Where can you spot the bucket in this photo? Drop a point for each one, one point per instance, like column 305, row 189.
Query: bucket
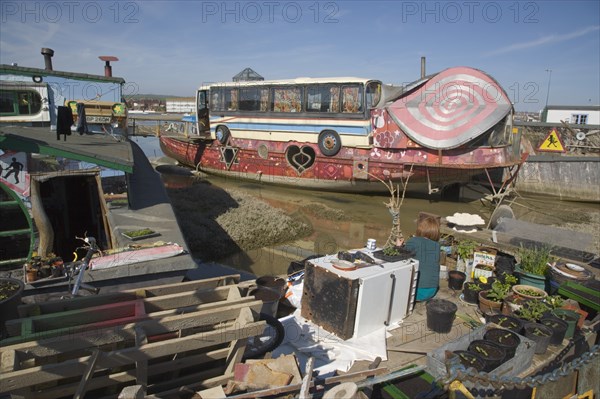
column 440, row 315
column 456, row 279
column 274, row 283
column 270, row 299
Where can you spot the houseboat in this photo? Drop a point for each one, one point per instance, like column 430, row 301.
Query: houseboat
column 70, row 172
column 349, row 134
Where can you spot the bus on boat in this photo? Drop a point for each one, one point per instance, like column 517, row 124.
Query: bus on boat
column 349, row 134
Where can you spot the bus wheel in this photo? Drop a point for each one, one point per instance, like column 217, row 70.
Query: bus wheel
column 329, row 143
column 222, row 134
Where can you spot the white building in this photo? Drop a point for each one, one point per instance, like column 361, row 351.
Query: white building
column 181, row 105
column 572, row 114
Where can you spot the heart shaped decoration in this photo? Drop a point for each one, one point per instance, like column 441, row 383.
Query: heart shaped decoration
column 300, row 158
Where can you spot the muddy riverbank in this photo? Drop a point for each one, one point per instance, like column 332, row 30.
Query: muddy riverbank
column 260, row 229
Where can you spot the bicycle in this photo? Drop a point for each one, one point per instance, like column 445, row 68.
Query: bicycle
column 78, row 268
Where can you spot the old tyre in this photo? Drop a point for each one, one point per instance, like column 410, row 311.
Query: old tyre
column 271, row 338
column 329, row 143
column 222, row 134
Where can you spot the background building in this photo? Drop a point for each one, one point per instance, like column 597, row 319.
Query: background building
column 181, row 105
column 572, row 114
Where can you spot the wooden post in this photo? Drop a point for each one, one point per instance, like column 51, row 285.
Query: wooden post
column 42, row 222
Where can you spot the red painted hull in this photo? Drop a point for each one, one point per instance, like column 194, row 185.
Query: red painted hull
column 352, row 169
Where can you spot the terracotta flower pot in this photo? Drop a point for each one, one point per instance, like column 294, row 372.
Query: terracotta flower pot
column 487, row 306
column 529, row 292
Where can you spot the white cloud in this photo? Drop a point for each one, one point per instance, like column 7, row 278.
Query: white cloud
column 549, row 39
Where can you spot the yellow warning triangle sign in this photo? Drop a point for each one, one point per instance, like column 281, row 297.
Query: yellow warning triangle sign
column 552, row 143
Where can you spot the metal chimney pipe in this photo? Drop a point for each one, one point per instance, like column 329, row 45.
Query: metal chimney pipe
column 107, row 68
column 422, row 67
column 48, row 53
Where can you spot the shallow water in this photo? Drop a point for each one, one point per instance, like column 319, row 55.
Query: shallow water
column 366, row 216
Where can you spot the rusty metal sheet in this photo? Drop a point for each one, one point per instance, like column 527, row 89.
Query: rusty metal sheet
column 451, row 109
column 330, row 301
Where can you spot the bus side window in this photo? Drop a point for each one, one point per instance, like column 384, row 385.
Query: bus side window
column 373, row 94
column 352, row 99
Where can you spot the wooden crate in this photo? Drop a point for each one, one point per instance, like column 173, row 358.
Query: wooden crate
column 163, row 338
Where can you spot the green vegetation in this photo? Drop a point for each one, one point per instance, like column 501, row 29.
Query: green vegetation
column 534, row 260
column 466, row 248
column 500, row 289
column 7, row 289
column 391, row 251
column 532, row 310
column 139, row 233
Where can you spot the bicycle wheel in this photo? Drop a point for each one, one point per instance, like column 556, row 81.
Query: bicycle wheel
column 270, row 339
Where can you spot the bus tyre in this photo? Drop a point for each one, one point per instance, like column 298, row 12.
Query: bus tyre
column 222, row 134
column 329, row 143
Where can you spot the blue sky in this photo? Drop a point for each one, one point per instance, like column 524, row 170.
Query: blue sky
column 172, row 47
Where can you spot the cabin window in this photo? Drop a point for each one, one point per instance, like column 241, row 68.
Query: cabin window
column 373, row 94
column 323, row 98
column 21, row 102
column 254, row 99
column 579, row 119
column 352, row 99
column 287, row 99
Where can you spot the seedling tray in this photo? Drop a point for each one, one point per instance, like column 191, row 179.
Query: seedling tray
column 140, row 234
column 403, row 255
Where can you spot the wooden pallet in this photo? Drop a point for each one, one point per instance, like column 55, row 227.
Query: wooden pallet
column 165, row 337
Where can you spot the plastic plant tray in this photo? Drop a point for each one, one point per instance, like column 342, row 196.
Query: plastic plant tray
column 582, row 294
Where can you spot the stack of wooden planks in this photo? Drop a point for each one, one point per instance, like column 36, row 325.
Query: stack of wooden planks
column 169, row 339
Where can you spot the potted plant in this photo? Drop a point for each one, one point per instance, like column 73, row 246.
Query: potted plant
column 469, row 359
column 533, row 265
column 559, row 329
column 506, row 339
column 492, row 354
column 10, row 298
column 480, row 270
column 471, row 291
column 529, row 292
column 570, row 317
column 540, row 334
column 532, row 310
column 510, row 322
column 491, row 300
column 456, row 279
column 465, row 250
